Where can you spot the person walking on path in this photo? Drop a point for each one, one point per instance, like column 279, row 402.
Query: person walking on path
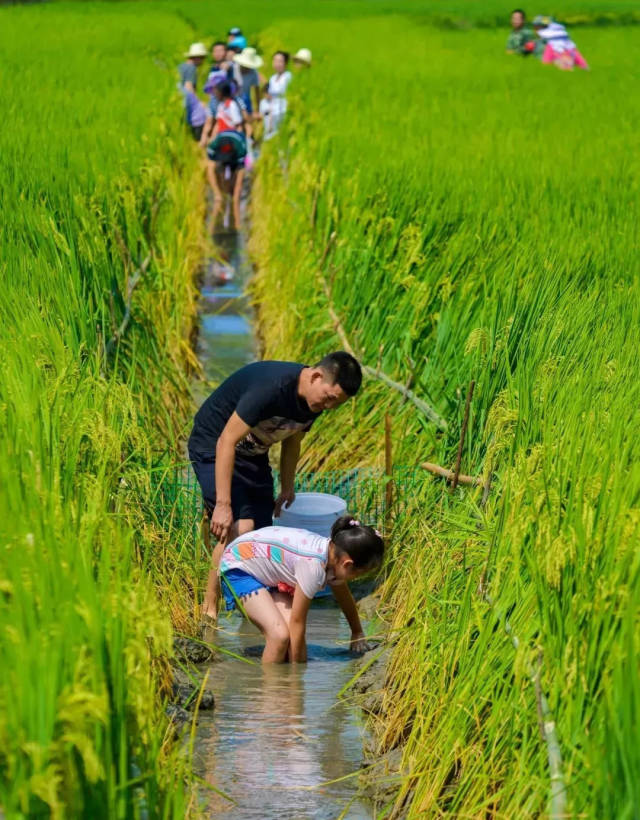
column 278, row 85
column 559, row 48
column 236, row 38
column 248, row 62
column 260, row 404
column 522, row 39
column 195, row 110
column 302, row 58
column 188, row 70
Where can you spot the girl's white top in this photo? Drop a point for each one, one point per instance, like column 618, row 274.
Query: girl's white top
column 277, row 555
column 278, row 85
column 556, row 35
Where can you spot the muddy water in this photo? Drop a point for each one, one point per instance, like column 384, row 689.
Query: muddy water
column 278, row 734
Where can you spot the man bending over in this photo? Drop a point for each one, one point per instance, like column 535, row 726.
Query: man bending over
column 257, row 406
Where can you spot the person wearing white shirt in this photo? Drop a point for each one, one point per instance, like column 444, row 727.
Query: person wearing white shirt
column 278, row 85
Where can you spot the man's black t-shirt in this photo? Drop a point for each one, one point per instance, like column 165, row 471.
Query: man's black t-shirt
column 265, row 396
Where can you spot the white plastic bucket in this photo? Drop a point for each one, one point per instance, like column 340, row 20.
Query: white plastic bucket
column 313, row 511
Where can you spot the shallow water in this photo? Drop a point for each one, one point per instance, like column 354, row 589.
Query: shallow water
column 277, row 734
column 225, row 341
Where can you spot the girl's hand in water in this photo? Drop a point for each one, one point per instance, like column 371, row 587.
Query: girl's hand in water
column 358, row 643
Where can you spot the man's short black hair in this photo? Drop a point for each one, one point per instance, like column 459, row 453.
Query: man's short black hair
column 218, row 43
column 344, row 370
column 519, row 11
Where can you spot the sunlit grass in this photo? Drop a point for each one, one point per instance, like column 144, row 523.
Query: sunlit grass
column 484, row 210
column 95, row 177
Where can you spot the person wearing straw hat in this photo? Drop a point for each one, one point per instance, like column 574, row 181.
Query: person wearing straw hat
column 302, row 58
column 188, row 70
column 248, row 63
column 195, row 111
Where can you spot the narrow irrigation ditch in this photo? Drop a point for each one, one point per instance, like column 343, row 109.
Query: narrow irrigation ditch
column 290, row 741
column 279, row 741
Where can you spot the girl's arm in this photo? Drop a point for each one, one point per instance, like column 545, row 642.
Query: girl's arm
column 298, row 626
column 344, row 598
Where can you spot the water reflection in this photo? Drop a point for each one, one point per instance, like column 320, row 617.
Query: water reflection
column 225, row 341
column 278, row 734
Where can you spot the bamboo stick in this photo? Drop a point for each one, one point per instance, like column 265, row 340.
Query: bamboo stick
column 463, row 433
column 131, row 286
column 388, row 468
column 436, row 469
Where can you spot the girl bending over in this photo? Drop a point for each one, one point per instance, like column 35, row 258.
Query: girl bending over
column 276, row 571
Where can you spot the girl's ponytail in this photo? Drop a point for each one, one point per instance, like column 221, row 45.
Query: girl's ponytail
column 363, row 544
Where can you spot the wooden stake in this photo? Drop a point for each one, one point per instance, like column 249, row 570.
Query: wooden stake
column 463, row 433
column 388, row 468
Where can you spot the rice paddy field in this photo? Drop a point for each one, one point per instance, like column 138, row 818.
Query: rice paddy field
column 451, row 214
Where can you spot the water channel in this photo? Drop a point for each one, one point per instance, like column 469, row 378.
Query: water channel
column 279, row 743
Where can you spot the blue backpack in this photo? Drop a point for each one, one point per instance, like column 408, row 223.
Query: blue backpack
column 228, row 148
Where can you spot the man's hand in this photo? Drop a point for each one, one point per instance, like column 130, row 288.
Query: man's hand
column 286, row 497
column 358, row 643
column 221, row 520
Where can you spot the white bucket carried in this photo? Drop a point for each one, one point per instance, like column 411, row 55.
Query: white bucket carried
column 313, row 511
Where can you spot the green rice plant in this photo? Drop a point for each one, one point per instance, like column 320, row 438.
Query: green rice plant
column 464, row 215
column 454, row 215
column 97, row 177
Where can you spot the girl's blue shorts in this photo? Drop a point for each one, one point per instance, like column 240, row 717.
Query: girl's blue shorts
column 236, row 583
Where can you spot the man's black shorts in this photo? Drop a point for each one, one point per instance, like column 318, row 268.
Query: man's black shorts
column 251, row 488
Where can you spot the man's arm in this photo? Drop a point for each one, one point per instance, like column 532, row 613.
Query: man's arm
column 344, row 598
column 222, row 518
column 289, row 455
column 298, row 626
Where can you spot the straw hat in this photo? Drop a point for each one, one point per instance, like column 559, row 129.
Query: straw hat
column 196, row 50
column 303, row 55
column 248, row 58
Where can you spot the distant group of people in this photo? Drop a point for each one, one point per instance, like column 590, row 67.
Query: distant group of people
column 546, row 39
column 239, row 98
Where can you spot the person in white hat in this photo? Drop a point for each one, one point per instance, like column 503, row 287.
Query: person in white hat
column 189, row 69
column 248, row 62
column 195, row 112
column 302, row 57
